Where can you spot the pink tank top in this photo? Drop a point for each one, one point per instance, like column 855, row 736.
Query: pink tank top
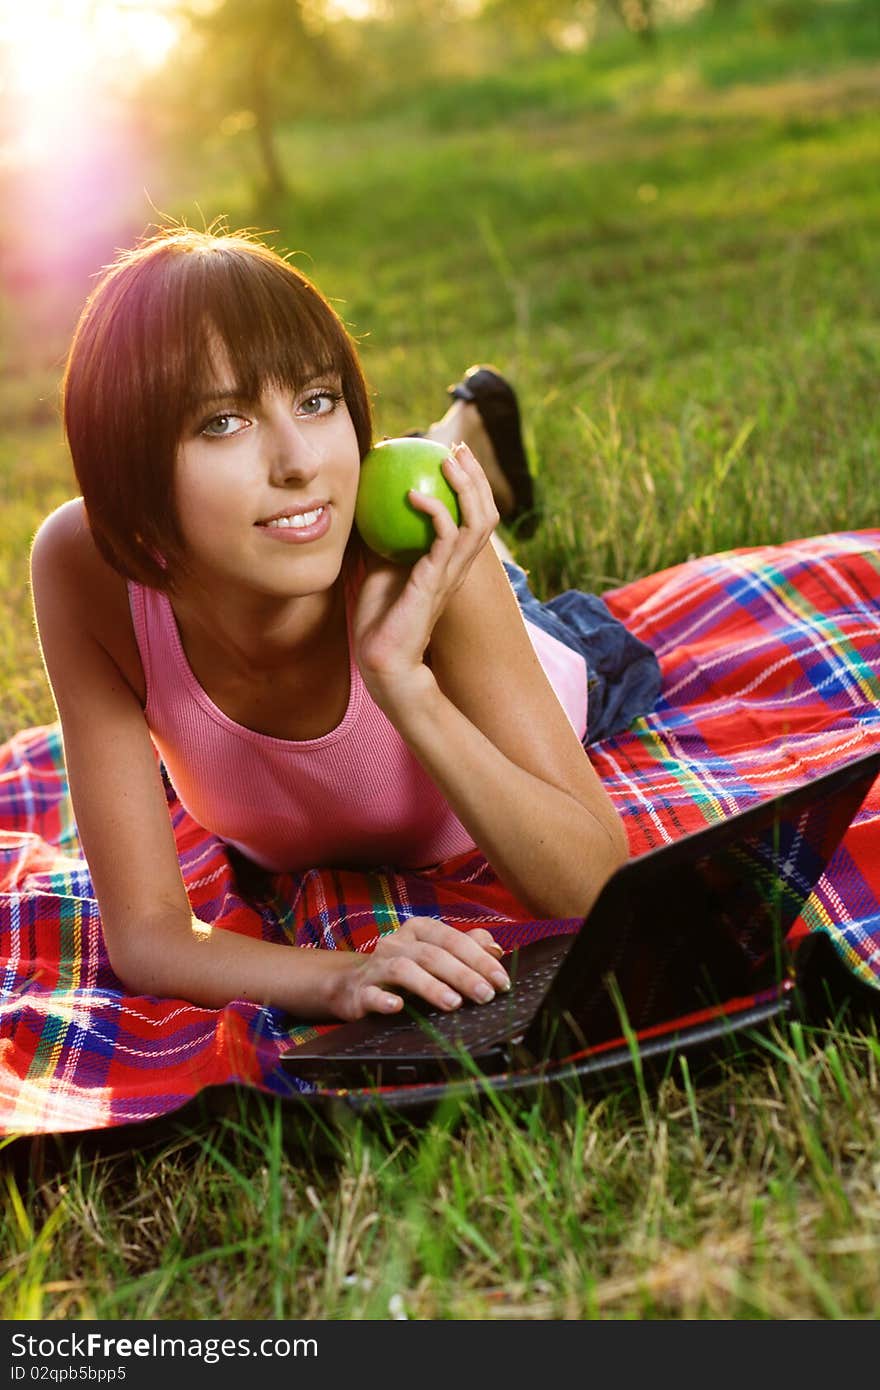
column 355, row 797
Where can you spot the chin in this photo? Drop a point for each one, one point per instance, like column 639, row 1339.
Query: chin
column 311, row 574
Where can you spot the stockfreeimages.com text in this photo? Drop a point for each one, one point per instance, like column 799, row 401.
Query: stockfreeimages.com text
column 210, row 1349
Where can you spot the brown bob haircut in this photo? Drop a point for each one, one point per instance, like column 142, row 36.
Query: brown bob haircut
column 140, row 360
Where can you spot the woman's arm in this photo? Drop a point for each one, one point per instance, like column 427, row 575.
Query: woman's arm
column 155, row 944
column 494, row 737
column 482, row 718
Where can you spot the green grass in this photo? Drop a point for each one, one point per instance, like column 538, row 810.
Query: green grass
column 675, row 259
column 750, row 1197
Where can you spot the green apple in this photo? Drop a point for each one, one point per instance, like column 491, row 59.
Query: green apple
column 388, row 523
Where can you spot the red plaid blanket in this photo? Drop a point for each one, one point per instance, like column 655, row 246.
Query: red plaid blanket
column 771, row 674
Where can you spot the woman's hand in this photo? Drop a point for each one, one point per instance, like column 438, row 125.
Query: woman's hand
column 397, row 607
column 424, row 957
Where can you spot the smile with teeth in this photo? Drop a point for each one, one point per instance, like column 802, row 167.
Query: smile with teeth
column 299, row 521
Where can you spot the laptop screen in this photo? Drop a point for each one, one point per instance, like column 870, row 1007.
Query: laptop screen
column 705, row 918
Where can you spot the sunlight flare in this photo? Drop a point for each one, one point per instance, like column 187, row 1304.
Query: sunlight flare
column 60, row 57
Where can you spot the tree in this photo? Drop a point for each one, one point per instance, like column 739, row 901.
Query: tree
column 260, row 61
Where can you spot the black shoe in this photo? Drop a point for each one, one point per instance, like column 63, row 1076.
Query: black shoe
column 496, row 402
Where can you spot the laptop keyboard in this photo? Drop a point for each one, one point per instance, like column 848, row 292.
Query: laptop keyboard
column 472, row 1026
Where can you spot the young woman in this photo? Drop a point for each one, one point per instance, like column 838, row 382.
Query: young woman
column 207, row 599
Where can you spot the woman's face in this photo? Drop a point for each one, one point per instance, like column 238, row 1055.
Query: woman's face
column 265, row 490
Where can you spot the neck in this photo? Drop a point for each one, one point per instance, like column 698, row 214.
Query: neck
column 258, row 635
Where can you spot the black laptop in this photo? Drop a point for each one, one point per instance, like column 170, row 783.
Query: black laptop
column 674, row 931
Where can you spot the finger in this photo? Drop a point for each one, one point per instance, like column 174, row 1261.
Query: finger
column 486, row 940
column 375, row 1000
column 403, row 972
column 476, row 504
column 466, row 474
column 478, row 962
column 440, row 933
column 467, row 980
column 444, row 522
column 464, row 539
column 464, row 456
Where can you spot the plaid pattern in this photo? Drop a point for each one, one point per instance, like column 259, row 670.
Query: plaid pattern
column 771, row 674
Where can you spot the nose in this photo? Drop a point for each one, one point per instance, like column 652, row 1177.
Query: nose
column 294, row 453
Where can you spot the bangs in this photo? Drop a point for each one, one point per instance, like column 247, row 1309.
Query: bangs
column 258, row 318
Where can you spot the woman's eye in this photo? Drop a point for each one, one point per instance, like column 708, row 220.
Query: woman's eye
column 320, row 403
column 220, row 426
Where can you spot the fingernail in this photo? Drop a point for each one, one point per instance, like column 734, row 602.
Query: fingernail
column 484, row 992
column 451, row 1000
column 501, row 981
column 493, row 946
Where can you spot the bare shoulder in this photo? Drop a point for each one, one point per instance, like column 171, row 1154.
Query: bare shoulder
column 72, row 582
column 63, row 538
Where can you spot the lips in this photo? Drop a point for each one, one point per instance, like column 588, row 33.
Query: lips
column 299, row 525
column 300, row 517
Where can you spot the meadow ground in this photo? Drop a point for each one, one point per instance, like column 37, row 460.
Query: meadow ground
column 674, row 257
